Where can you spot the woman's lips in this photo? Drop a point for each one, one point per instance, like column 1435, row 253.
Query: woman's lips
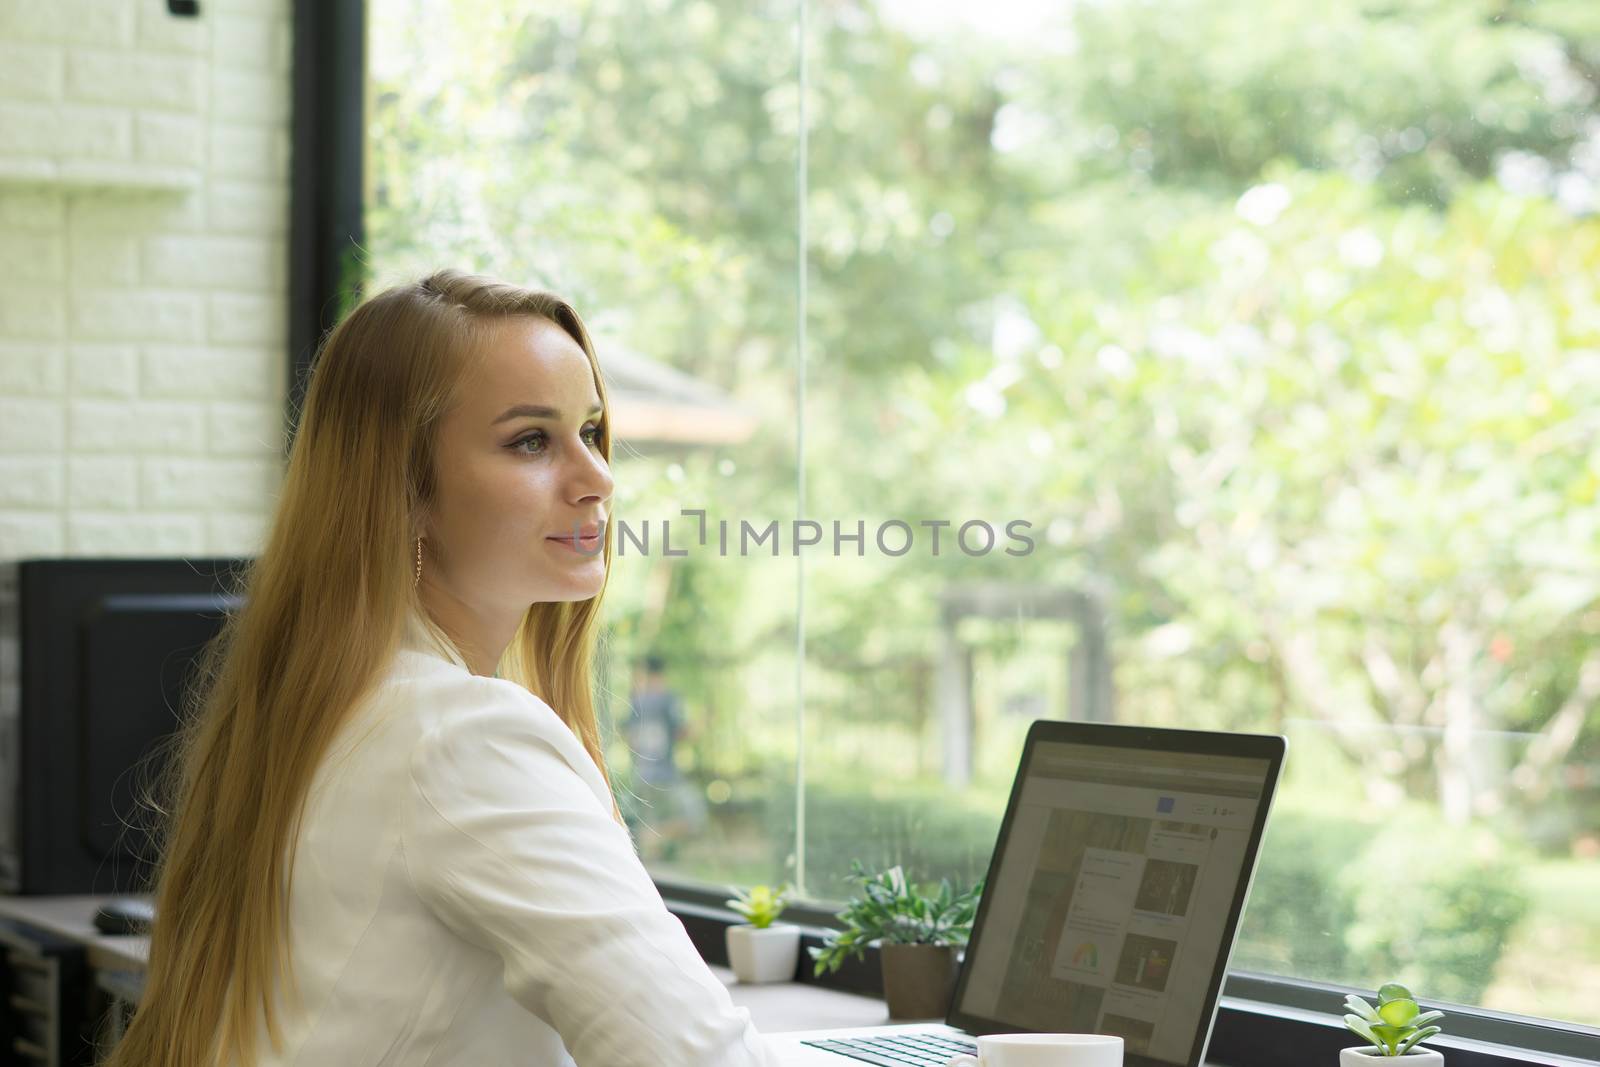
column 586, row 541
column 581, row 544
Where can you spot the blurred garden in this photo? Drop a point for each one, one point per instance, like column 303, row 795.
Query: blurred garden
column 1280, row 325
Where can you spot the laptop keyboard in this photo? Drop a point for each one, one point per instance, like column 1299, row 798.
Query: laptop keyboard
column 899, row 1050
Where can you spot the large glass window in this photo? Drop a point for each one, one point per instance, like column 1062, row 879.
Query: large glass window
column 1276, row 327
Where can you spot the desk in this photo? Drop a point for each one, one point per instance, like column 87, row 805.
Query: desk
column 73, row 917
column 774, row 1008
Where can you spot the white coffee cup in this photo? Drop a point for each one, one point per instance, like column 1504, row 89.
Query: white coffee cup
column 1044, row 1050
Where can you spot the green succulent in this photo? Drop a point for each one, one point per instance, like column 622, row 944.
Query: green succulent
column 1396, row 1025
column 890, row 909
column 760, row 905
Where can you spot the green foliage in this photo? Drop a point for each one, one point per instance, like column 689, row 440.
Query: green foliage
column 1331, row 902
column 1441, row 918
column 1396, row 1025
column 1299, row 912
column 891, row 910
column 760, row 905
column 1421, row 95
column 917, row 828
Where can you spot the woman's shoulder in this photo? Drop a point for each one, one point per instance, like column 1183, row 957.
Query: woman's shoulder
column 462, row 724
column 435, row 692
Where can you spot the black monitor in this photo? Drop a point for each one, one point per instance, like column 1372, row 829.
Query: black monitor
column 99, row 659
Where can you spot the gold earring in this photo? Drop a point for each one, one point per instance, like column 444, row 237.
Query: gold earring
column 418, row 576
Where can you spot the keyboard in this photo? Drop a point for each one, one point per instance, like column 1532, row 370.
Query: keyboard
column 899, row 1050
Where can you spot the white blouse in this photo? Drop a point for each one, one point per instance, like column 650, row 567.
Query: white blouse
column 461, row 895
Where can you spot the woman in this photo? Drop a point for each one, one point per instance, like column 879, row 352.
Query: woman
column 393, row 838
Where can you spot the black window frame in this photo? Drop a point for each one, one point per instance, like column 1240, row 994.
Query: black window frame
column 1262, row 1020
column 326, row 171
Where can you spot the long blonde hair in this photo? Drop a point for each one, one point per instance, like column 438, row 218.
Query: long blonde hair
column 325, row 609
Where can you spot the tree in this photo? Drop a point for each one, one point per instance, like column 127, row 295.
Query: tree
column 1229, row 297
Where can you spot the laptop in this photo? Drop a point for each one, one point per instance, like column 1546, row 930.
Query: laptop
column 1111, row 903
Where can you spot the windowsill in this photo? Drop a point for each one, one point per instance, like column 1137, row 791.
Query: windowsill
column 1247, row 1033
column 1320, row 1029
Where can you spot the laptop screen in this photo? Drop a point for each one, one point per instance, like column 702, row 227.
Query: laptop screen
column 1110, row 899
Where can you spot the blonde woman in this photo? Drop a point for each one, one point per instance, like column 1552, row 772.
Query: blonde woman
column 392, row 838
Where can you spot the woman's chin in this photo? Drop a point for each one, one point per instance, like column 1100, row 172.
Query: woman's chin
column 577, row 586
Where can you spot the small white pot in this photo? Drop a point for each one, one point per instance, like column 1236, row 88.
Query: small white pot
column 764, row 954
column 1367, row 1056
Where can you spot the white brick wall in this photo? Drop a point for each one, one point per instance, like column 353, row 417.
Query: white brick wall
column 143, row 236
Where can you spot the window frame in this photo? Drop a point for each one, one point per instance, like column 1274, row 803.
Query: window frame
column 327, row 201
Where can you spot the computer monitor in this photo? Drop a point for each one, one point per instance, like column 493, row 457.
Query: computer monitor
column 102, row 652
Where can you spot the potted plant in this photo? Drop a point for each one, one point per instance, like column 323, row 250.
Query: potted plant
column 1394, row 1028
column 917, row 935
column 761, row 949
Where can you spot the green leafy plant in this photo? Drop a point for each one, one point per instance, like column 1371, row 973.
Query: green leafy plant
column 760, row 905
column 1396, row 1025
column 891, row 910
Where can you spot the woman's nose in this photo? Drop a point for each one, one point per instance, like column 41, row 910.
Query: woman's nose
column 592, row 478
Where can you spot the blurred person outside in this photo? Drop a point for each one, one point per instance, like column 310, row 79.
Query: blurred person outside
column 666, row 807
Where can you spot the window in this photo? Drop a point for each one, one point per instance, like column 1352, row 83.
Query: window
column 1277, row 326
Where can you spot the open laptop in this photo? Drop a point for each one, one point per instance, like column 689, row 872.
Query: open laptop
column 1111, row 903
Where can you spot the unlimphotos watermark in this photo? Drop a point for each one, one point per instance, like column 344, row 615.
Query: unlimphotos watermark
column 892, row 537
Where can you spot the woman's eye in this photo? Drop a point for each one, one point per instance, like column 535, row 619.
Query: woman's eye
column 591, row 435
